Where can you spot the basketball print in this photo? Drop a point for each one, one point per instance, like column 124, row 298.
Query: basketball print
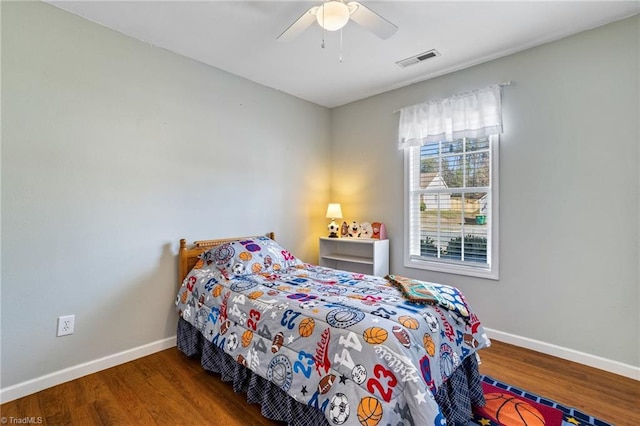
column 375, row 335
column 255, row 294
column 409, row 322
column 344, row 317
column 217, row 290
column 279, row 372
column 429, row 346
column 222, row 254
column 247, row 336
column 243, row 285
column 447, row 364
column 369, row 411
column 245, row 255
column 306, row 327
column 506, row 409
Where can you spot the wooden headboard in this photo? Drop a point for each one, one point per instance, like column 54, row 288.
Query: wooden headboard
column 188, row 256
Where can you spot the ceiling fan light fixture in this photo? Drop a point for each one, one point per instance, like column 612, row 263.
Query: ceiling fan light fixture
column 332, row 15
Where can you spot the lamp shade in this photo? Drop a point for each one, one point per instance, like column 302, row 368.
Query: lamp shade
column 334, row 211
column 332, row 15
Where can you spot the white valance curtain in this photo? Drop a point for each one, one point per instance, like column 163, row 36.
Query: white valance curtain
column 466, row 115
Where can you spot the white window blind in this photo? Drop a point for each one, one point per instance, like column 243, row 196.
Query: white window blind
column 450, row 206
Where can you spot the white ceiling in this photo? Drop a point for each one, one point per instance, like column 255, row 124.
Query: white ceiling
column 240, row 37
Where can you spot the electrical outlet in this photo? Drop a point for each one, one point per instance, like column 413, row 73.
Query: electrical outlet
column 66, row 325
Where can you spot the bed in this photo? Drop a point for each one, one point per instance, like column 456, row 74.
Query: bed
column 319, row 346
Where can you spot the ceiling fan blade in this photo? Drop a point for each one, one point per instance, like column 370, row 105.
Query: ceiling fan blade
column 370, row 20
column 301, row 24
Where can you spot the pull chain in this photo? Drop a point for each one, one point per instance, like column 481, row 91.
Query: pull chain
column 340, row 57
column 322, row 45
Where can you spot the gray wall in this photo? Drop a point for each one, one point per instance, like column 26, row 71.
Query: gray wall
column 113, row 150
column 569, row 188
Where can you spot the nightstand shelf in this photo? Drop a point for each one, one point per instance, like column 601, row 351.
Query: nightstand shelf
column 360, row 255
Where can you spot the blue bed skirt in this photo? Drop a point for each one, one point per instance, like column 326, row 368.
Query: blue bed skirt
column 456, row 397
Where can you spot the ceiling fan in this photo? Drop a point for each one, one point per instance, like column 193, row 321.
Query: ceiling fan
column 332, row 15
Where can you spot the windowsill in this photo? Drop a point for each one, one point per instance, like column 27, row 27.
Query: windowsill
column 454, row 268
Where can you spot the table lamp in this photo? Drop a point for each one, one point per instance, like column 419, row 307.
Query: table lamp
column 333, row 212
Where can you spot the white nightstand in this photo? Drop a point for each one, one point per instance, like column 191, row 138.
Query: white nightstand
column 362, row 255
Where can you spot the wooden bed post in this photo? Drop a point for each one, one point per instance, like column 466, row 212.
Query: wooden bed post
column 182, row 261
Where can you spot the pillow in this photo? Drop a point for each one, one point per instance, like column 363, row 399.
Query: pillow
column 250, row 256
column 434, row 294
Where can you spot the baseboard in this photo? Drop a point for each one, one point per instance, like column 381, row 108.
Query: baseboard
column 40, row 383
column 566, row 353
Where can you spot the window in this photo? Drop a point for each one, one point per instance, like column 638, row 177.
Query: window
column 451, row 196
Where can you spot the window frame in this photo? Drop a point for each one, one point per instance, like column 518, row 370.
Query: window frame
column 489, row 270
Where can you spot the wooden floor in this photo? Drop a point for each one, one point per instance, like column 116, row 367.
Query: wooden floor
column 169, row 389
column 612, row 398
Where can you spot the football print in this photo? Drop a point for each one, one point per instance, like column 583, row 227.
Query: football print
column 402, row 335
column 325, row 383
column 278, row 340
column 241, row 360
column 225, row 327
column 469, row 340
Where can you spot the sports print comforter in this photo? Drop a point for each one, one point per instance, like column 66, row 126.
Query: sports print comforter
column 347, row 344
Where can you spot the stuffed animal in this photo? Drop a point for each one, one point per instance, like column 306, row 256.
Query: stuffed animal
column 376, row 230
column 366, row 230
column 354, row 229
column 344, row 231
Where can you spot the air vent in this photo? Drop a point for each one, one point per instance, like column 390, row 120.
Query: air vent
column 418, row 58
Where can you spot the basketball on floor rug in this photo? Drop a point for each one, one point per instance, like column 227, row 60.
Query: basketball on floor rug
column 509, row 406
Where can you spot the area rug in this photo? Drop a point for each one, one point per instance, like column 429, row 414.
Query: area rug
column 510, row 406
